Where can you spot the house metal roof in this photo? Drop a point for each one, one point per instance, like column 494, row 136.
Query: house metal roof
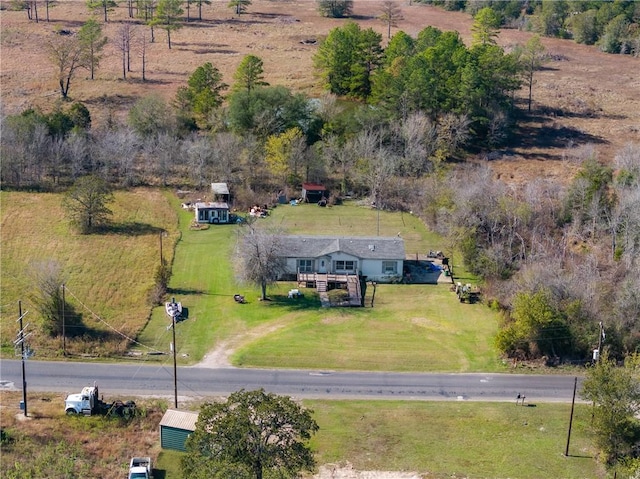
column 220, row 188
column 180, row 419
column 218, row 205
column 378, row 247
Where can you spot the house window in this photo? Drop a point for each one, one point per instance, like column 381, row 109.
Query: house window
column 345, row 266
column 305, row 265
column 389, row 267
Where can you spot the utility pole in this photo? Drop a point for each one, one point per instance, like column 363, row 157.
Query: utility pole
column 600, row 339
column 175, row 368
column 573, row 403
column 64, row 334
column 20, row 340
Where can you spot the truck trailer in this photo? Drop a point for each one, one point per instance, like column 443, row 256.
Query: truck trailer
column 88, row 403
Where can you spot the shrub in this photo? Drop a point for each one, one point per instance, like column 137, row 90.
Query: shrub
column 337, row 296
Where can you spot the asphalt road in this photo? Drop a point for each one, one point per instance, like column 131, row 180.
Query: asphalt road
column 141, row 380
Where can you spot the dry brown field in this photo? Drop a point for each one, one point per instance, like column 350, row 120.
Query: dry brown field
column 581, row 97
column 99, row 445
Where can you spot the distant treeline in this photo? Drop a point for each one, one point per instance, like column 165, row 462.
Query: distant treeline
column 614, row 26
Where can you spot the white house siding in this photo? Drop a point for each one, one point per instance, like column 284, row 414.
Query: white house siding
column 372, row 269
column 216, row 212
column 368, row 255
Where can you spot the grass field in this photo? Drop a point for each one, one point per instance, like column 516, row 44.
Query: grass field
column 470, row 440
column 410, row 327
column 107, row 276
column 445, row 440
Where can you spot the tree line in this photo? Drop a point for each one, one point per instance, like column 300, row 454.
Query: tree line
column 613, row 26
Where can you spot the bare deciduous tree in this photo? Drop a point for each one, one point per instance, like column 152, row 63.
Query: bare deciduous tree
column 390, row 15
column 125, row 36
column 228, row 156
column 142, row 51
column 338, row 155
column 419, row 135
column 200, row 158
column 124, row 148
column 78, row 153
column 259, row 257
column 161, row 154
column 453, row 132
column 375, row 163
column 66, row 55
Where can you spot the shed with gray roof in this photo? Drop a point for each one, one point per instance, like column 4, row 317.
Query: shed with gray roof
column 175, row 428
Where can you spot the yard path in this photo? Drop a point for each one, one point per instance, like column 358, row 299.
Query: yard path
column 346, row 471
column 219, row 357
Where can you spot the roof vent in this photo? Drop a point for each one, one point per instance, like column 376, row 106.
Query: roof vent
column 372, row 247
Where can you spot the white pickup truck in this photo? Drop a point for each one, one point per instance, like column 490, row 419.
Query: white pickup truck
column 140, row 468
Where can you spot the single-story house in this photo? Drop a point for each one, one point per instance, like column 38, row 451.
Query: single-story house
column 220, row 192
column 212, row 212
column 175, row 428
column 377, row 258
column 313, row 192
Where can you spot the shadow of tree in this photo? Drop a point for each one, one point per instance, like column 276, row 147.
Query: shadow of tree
column 549, row 135
column 205, row 51
column 75, row 327
column 116, row 99
column 187, row 292
column 73, row 323
column 128, row 229
column 299, row 303
column 547, row 113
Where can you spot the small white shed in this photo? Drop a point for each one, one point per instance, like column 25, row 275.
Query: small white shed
column 212, row 212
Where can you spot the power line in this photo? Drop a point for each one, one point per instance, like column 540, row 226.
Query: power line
column 120, row 333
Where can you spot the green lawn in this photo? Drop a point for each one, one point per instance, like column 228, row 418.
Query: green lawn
column 446, row 440
column 465, row 439
column 410, row 327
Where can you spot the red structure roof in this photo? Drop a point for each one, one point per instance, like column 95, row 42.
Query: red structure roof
column 313, row 187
